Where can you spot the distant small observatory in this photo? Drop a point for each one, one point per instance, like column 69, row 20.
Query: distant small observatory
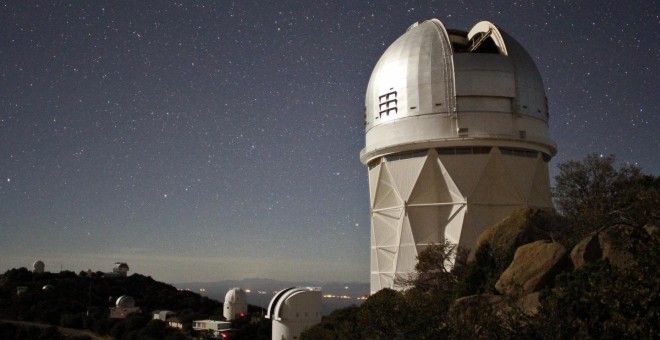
column 38, row 267
column 235, row 304
column 457, row 138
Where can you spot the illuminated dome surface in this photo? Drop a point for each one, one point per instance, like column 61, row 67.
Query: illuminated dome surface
column 125, row 301
column 436, row 86
column 236, row 295
column 38, row 266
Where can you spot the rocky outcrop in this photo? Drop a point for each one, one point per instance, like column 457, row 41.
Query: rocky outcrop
column 652, row 230
column 533, row 267
column 616, row 244
column 586, row 251
column 530, row 303
column 521, row 227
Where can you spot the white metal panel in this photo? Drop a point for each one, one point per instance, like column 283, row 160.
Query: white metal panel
column 406, row 259
column 374, row 173
column 495, row 185
column 386, row 228
column 406, row 232
column 404, row 174
column 431, row 186
column 386, row 196
column 385, row 257
column 540, row 194
column 465, row 170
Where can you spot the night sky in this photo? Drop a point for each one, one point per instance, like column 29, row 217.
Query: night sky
column 219, row 140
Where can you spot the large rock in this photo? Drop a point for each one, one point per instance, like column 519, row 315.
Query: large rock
column 479, row 315
column 586, row 251
column 534, row 265
column 652, row 230
column 617, row 244
column 530, row 304
column 521, row 227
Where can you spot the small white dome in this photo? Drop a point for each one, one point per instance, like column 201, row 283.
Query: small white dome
column 236, row 295
column 125, row 301
column 38, row 266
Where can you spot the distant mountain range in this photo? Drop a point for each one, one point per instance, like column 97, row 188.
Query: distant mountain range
column 336, row 294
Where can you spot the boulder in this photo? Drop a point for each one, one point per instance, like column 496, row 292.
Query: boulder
column 533, row 267
column 652, row 230
column 586, row 251
column 618, row 243
column 521, row 227
column 530, row 304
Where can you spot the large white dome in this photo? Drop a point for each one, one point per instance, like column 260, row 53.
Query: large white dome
column 437, row 87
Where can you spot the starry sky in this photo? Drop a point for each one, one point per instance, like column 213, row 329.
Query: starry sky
column 203, row 141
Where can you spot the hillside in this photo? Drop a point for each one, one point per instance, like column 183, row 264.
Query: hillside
column 83, row 301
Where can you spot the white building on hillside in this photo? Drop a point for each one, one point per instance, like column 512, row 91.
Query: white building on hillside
column 235, row 304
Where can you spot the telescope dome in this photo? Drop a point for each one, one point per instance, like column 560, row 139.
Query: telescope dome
column 125, row 301
column 435, row 86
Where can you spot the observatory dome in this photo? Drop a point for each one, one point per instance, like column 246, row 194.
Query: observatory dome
column 235, row 295
column 38, row 266
column 434, row 85
column 294, row 310
column 235, row 304
column 125, row 301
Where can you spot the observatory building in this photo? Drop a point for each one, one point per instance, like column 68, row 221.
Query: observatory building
column 120, row 268
column 38, row 267
column 124, row 306
column 456, row 139
column 235, row 304
column 293, row 310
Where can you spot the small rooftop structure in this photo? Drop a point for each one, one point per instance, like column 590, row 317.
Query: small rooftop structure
column 293, row 310
column 235, row 304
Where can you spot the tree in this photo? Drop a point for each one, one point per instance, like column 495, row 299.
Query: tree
column 341, row 324
column 430, row 291
column 384, row 315
column 592, row 193
column 434, row 269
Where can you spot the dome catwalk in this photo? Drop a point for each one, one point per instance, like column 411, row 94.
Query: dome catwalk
column 457, row 138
